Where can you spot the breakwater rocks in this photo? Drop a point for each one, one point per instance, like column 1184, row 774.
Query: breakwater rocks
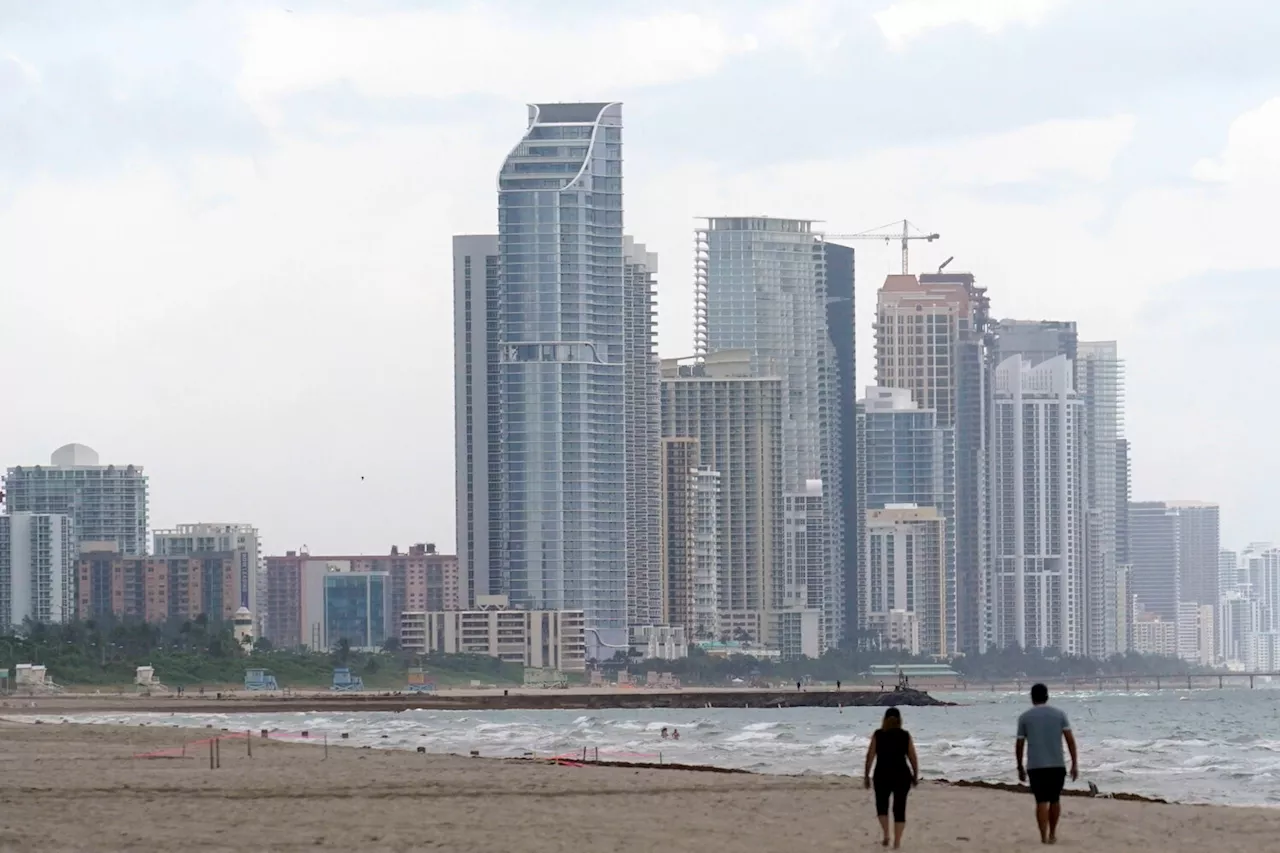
column 512, row 700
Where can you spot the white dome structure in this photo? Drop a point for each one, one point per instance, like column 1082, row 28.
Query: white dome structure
column 74, row 456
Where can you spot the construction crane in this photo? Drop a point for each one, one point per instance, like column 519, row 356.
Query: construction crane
column 879, row 234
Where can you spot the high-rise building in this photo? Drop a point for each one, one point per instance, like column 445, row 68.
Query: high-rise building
column 1155, row 554
column 1100, row 382
column 107, row 503
column 905, row 573
column 1260, row 570
column 1239, row 621
column 737, row 420
column 1228, row 573
column 841, row 325
column 1200, row 546
column 760, row 285
column 933, row 338
column 477, row 439
column 1037, row 507
column 204, row 539
column 904, row 457
column 1196, row 633
column 544, row 337
column 643, row 431
column 37, row 569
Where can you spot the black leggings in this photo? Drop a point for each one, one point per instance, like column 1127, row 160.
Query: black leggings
column 898, row 789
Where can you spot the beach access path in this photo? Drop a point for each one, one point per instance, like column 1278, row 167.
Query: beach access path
column 67, row 787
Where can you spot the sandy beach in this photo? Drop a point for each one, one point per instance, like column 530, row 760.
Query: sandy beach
column 80, row 788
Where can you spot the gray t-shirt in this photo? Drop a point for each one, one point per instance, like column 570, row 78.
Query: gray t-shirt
column 1042, row 727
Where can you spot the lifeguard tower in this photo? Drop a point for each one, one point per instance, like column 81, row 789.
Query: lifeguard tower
column 418, row 682
column 259, row 680
column 33, row 678
column 344, row 679
column 145, row 680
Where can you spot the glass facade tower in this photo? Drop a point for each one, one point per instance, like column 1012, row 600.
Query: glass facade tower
column 560, row 373
column 760, row 285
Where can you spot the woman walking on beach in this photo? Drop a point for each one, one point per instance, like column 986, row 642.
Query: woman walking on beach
column 893, row 754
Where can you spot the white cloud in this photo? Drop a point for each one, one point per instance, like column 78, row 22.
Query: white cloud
column 477, row 51
column 906, row 19
column 1252, row 152
column 28, row 71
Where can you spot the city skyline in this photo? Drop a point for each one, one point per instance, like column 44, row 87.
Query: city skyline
column 327, row 326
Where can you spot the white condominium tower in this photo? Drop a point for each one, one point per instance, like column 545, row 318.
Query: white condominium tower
column 1037, row 507
column 107, row 503
column 37, row 569
column 1100, row 381
column 556, row 385
column 760, row 286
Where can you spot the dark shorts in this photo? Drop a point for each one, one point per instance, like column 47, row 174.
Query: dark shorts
column 897, row 788
column 1046, row 783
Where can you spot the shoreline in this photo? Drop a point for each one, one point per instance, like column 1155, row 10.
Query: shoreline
column 587, row 760
column 79, row 788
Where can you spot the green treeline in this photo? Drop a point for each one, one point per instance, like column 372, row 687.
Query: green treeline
column 100, row 653
column 195, row 653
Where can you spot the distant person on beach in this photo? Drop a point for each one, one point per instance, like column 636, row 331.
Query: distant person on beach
column 664, row 733
column 675, row 734
column 893, row 753
column 1041, row 731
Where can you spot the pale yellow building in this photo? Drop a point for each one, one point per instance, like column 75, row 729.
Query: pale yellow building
column 547, row 639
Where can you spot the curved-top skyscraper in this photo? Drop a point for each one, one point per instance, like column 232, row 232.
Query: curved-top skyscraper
column 561, row 475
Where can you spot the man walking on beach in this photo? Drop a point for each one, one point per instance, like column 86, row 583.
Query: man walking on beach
column 1041, row 731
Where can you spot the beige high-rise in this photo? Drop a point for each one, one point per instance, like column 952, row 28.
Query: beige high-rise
column 932, row 339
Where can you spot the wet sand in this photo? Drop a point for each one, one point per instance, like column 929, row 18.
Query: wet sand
column 79, row 788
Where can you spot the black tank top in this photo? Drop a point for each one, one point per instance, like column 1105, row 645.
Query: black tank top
column 891, row 753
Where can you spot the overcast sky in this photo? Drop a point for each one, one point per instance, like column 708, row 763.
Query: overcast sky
column 225, row 226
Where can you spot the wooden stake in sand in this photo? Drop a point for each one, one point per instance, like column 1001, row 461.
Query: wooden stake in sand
column 211, row 754
column 248, row 739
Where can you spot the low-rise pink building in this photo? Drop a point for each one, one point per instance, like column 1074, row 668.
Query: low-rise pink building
column 421, row 580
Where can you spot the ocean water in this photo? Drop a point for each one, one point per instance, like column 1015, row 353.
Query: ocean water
column 1201, row 746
